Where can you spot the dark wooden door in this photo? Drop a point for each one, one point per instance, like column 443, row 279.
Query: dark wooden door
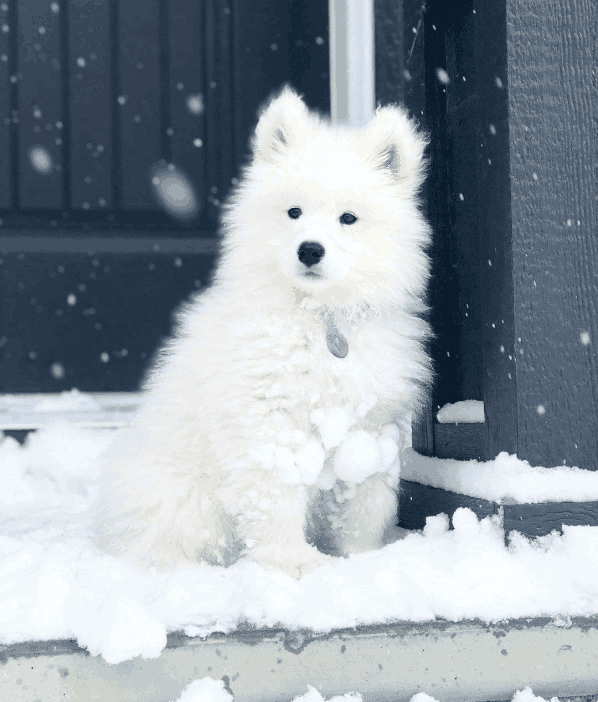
column 122, row 125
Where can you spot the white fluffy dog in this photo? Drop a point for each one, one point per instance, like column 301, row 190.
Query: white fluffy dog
column 270, row 424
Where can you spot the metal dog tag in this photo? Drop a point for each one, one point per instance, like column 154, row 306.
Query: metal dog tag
column 336, row 342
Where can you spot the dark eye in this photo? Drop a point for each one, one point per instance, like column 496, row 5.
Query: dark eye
column 347, row 218
column 294, row 212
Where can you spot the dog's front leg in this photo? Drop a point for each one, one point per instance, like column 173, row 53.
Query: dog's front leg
column 273, row 529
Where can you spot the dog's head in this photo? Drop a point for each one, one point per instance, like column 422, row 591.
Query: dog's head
column 329, row 210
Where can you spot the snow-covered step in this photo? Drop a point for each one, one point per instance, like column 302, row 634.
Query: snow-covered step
column 34, row 411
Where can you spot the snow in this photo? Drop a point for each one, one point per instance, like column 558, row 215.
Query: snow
column 506, row 479
column 210, row 690
column 358, row 457
column 67, row 401
column 56, row 584
column 174, row 192
column 195, row 104
column 468, row 411
column 40, row 159
column 359, row 453
column 312, row 695
column 525, row 695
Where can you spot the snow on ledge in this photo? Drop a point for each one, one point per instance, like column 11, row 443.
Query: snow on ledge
column 67, row 401
column 506, row 479
column 28, row 411
column 466, row 411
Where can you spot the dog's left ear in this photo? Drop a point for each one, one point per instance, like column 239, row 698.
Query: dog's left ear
column 396, row 145
column 279, row 125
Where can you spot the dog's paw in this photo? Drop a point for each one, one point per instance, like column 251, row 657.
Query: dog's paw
column 317, row 561
column 310, row 560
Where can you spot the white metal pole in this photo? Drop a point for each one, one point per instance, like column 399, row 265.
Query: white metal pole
column 352, row 93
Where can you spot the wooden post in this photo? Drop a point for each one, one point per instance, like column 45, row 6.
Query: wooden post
column 539, row 250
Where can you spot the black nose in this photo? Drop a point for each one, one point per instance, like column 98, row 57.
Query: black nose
column 310, row 253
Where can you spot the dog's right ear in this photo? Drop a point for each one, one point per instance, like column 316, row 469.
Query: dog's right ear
column 279, row 124
column 397, row 146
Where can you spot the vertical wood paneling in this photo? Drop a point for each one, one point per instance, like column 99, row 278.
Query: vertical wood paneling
column 444, row 281
column 263, row 60
column 186, row 91
column 389, row 53
column 220, row 147
column 555, row 248
column 537, row 222
column 400, row 78
column 462, row 127
column 123, row 298
column 91, row 106
column 412, row 91
column 41, row 117
column 120, row 310
column 414, row 52
column 499, row 377
column 303, row 28
column 138, row 101
column 5, row 107
column 115, row 89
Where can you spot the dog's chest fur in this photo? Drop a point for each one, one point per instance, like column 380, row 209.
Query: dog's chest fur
column 288, row 357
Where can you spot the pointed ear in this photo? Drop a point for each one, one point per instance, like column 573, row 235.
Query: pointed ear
column 279, row 125
column 397, row 146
